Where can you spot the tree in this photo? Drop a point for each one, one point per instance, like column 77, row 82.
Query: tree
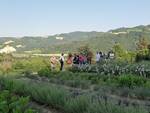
column 148, row 50
column 119, row 51
column 143, row 49
column 6, row 63
column 142, row 44
column 85, row 50
column 148, row 47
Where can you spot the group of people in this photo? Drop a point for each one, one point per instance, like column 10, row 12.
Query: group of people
column 78, row 59
column 81, row 59
column 101, row 56
column 54, row 62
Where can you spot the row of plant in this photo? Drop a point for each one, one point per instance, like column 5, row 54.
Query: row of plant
column 138, row 93
column 113, row 67
column 61, row 99
column 108, row 93
column 65, row 78
column 124, row 80
column 138, row 86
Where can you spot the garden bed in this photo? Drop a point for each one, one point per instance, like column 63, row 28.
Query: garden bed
column 60, row 98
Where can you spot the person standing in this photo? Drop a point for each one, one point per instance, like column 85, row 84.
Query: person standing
column 89, row 57
column 69, row 60
column 62, row 59
column 97, row 57
column 81, row 60
column 75, row 59
column 53, row 62
column 111, row 55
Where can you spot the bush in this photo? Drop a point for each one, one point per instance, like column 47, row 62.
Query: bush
column 13, row 104
column 53, row 96
column 18, row 65
column 109, row 108
column 27, row 72
column 131, row 81
column 77, row 105
column 44, row 72
column 143, row 55
column 141, row 93
column 34, row 64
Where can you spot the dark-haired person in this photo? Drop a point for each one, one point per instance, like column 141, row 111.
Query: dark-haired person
column 81, row 60
column 75, row 59
column 61, row 59
column 111, row 55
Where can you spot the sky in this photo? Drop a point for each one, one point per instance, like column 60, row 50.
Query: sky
column 47, row 17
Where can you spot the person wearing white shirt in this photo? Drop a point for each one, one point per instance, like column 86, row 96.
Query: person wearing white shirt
column 97, row 57
column 62, row 59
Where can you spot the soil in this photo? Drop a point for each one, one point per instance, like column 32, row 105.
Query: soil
column 43, row 108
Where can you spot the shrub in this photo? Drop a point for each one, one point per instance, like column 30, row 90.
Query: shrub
column 77, row 105
column 27, row 72
column 143, row 55
column 6, row 67
column 53, row 96
column 18, row 65
column 12, row 104
column 44, row 72
column 141, row 93
column 110, row 108
column 131, row 81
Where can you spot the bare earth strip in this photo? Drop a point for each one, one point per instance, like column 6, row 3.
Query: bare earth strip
column 43, row 108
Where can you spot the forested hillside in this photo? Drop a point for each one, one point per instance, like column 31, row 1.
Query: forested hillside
column 65, row 42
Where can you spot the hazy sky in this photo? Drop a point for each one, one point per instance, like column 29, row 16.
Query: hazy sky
column 45, row 17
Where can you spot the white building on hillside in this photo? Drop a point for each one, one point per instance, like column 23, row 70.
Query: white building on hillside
column 8, row 42
column 19, row 46
column 59, row 38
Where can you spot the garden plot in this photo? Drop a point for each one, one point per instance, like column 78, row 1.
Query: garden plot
column 103, row 93
column 60, row 98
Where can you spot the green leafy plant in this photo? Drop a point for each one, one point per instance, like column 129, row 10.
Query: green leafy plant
column 10, row 103
column 44, row 72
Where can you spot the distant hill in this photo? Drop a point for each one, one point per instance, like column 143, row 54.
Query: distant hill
column 66, row 42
